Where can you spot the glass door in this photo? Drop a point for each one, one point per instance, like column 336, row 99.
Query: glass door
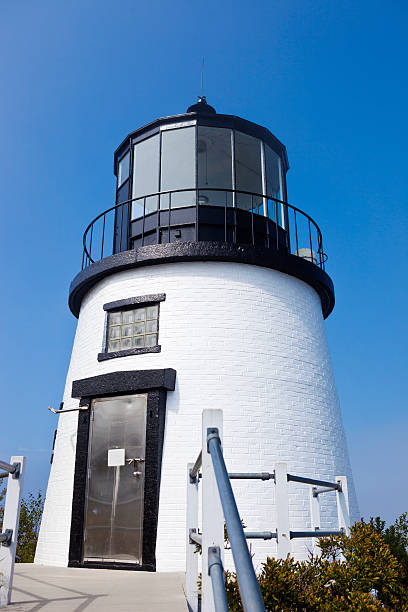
column 115, row 480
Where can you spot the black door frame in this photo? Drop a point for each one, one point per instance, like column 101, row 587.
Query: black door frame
column 155, row 383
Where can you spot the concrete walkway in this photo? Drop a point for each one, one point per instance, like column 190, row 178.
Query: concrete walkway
column 39, row 588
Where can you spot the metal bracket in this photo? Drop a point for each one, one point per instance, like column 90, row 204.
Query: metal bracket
column 68, row 410
column 316, row 491
column 194, row 537
column 190, row 531
column 212, row 433
column 6, row 537
column 214, row 557
column 16, row 473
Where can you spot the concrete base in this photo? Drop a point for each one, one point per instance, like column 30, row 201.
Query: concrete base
column 44, row 588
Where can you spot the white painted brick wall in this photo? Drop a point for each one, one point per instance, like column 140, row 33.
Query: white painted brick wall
column 242, row 338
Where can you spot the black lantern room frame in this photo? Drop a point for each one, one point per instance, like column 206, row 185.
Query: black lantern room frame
column 163, row 206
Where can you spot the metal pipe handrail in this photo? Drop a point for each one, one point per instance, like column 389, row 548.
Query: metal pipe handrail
column 248, row 584
column 10, row 468
column 325, row 485
column 216, row 572
column 197, row 189
column 251, row 476
column 13, row 469
column 260, row 535
column 317, row 533
column 336, row 486
column 196, row 467
column 316, row 491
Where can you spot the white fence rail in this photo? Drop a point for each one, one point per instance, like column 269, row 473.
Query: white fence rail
column 218, row 503
column 14, row 472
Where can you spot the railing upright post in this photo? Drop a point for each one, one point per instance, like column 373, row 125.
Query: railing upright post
column 10, row 521
column 343, row 505
column 314, row 515
column 103, row 235
column 191, row 555
column 282, row 510
column 212, row 514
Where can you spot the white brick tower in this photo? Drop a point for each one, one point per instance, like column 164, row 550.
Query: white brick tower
column 214, row 297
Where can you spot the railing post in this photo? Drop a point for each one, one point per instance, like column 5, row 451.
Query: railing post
column 191, row 555
column 10, row 521
column 314, row 515
column 282, row 510
column 216, row 572
column 343, row 505
column 212, row 515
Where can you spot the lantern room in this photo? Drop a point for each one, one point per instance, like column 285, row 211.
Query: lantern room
column 203, row 185
column 199, row 176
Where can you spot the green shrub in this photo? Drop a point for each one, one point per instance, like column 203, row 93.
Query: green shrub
column 30, row 518
column 396, row 536
column 356, row 573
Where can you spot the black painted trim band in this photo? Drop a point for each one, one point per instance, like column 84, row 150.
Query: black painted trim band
column 128, row 352
column 204, row 251
column 124, row 382
column 138, row 300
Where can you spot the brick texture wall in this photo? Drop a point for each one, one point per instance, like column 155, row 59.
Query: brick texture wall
column 247, row 340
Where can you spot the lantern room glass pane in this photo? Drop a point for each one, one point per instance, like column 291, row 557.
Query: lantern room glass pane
column 274, row 185
column 146, row 175
column 273, row 174
column 123, row 169
column 178, row 167
column 248, row 170
column 214, row 165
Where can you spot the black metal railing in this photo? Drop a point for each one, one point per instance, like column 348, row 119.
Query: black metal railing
column 163, row 217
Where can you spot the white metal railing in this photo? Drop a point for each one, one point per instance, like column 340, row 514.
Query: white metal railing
column 218, row 504
column 14, row 472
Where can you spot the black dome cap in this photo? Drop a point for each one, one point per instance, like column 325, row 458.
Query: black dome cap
column 201, row 107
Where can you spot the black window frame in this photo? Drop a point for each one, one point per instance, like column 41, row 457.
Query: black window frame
column 130, row 304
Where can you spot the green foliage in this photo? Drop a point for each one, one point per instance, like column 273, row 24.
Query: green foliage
column 396, row 536
column 357, row 573
column 30, row 517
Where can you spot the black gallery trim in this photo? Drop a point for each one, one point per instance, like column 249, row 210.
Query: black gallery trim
column 204, row 251
column 155, row 383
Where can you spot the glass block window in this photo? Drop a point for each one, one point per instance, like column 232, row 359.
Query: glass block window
column 133, row 329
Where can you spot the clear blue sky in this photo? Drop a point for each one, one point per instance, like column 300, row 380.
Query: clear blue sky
column 328, row 78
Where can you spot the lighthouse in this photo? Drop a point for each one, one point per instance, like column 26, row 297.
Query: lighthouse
column 202, row 287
